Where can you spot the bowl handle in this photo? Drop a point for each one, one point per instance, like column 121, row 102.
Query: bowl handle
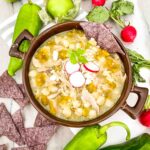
column 142, row 94
column 14, row 50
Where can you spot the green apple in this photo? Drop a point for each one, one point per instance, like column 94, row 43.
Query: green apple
column 59, row 8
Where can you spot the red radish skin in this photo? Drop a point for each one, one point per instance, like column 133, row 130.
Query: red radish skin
column 98, row 2
column 128, row 34
column 71, row 68
column 77, row 79
column 91, row 67
column 145, row 118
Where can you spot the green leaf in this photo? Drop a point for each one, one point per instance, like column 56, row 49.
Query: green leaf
column 73, row 58
column 134, row 56
column 120, row 8
column 70, row 52
column 115, row 16
column 98, row 14
column 80, row 52
column 138, row 59
column 76, row 56
column 123, row 7
column 83, row 60
column 136, row 74
column 138, row 62
column 147, row 104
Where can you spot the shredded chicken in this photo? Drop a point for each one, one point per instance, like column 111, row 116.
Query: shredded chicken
column 86, row 95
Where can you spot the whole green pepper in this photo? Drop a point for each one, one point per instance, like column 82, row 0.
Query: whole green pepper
column 141, row 142
column 93, row 137
column 28, row 19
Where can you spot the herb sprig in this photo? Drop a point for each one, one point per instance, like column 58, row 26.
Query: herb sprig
column 77, row 56
column 138, row 62
column 121, row 8
column 118, row 9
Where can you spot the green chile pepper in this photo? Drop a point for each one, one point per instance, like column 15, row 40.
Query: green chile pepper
column 93, row 137
column 28, row 19
column 141, row 142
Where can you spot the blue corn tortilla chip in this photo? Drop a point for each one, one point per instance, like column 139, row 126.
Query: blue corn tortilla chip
column 9, row 87
column 102, row 35
column 90, row 29
column 33, row 136
column 41, row 121
column 18, row 119
column 19, row 123
column 38, row 147
column 22, row 101
column 39, row 135
column 7, row 126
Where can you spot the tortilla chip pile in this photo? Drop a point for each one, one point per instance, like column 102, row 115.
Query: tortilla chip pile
column 12, row 126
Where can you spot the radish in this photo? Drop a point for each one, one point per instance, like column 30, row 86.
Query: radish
column 98, row 2
column 145, row 118
column 70, row 68
column 128, row 34
column 91, row 67
column 145, row 115
column 77, row 79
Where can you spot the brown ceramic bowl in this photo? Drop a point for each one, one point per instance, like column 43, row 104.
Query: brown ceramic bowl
column 121, row 104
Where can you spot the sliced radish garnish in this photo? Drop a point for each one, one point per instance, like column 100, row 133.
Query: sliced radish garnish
column 71, row 68
column 77, row 79
column 92, row 67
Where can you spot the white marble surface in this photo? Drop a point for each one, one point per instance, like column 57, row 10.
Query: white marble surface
column 140, row 20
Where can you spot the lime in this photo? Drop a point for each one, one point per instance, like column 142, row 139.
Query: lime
column 59, row 8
